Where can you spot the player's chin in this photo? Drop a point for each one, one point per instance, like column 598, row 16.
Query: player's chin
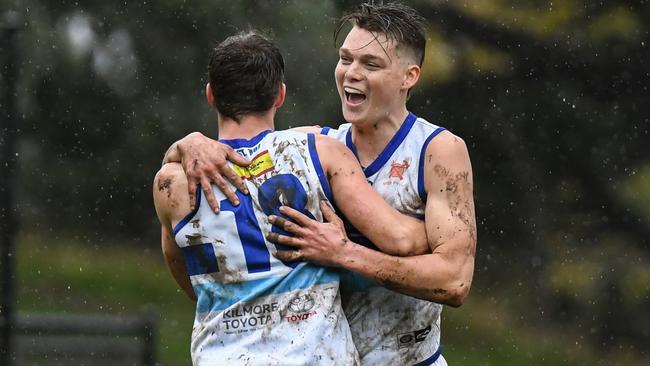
column 353, row 116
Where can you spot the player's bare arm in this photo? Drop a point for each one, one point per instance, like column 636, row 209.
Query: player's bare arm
column 172, row 204
column 391, row 231
column 444, row 275
column 205, row 162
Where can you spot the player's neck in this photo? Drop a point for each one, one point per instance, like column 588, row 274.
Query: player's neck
column 247, row 127
column 371, row 138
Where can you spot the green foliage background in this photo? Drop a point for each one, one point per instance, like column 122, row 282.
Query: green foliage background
column 551, row 98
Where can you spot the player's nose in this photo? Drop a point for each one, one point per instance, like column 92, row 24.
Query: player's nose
column 354, row 72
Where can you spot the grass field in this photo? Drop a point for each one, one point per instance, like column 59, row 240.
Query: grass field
column 73, row 276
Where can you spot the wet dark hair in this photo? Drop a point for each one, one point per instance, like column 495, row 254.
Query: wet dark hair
column 400, row 23
column 245, row 74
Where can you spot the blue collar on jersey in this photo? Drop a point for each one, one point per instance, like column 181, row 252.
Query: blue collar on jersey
column 237, row 143
column 388, row 151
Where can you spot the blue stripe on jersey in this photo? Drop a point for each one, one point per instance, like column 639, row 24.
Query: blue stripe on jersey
column 388, row 151
column 236, row 143
column 325, row 130
column 322, row 177
column 248, row 228
column 200, row 259
column 215, row 297
column 421, row 191
column 190, row 215
column 350, row 144
column 431, row 360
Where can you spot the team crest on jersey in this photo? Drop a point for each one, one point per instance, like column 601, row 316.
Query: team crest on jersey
column 260, row 164
column 397, row 169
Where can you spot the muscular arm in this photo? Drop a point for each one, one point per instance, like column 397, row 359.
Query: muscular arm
column 171, row 202
column 391, row 231
column 176, row 262
column 444, row 275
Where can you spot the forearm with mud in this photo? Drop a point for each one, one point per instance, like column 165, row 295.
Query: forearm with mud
column 430, row 277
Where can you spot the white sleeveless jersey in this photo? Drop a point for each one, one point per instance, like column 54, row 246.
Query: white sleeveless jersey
column 253, row 309
column 390, row 328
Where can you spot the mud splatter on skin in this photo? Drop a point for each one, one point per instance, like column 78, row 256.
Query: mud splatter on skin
column 164, row 184
column 459, row 196
column 394, row 284
column 440, row 170
column 330, row 175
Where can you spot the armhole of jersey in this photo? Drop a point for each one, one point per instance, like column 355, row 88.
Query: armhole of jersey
column 421, row 191
column 325, row 131
column 313, row 153
column 190, row 215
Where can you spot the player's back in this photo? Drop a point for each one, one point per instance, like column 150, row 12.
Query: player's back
column 253, row 309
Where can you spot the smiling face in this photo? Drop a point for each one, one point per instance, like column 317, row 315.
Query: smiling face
column 373, row 77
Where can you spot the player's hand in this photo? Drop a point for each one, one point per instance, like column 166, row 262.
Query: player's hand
column 205, row 161
column 314, row 241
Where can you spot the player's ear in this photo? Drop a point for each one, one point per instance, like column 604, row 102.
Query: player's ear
column 210, row 96
column 282, row 92
column 411, row 76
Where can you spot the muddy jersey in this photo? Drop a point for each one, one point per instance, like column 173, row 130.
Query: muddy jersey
column 253, row 309
column 390, row 328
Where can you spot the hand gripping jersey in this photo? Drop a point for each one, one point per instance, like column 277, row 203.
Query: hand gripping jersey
column 390, row 328
column 253, row 309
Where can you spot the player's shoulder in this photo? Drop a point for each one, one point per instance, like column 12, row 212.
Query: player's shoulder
column 327, row 143
column 331, row 152
column 170, row 171
column 307, row 129
column 446, row 145
column 447, row 150
column 170, row 183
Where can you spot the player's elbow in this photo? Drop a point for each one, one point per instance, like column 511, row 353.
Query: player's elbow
column 457, row 296
column 405, row 245
column 453, row 291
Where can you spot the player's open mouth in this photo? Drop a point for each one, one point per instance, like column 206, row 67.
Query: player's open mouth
column 354, row 96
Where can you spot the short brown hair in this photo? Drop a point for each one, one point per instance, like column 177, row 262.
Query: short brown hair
column 245, row 74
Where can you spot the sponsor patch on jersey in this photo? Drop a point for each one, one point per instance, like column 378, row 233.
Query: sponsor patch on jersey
column 260, row 164
column 246, row 317
column 301, row 307
column 408, row 339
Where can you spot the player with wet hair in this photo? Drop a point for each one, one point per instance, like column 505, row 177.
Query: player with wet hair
column 423, row 170
column 251, row 307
